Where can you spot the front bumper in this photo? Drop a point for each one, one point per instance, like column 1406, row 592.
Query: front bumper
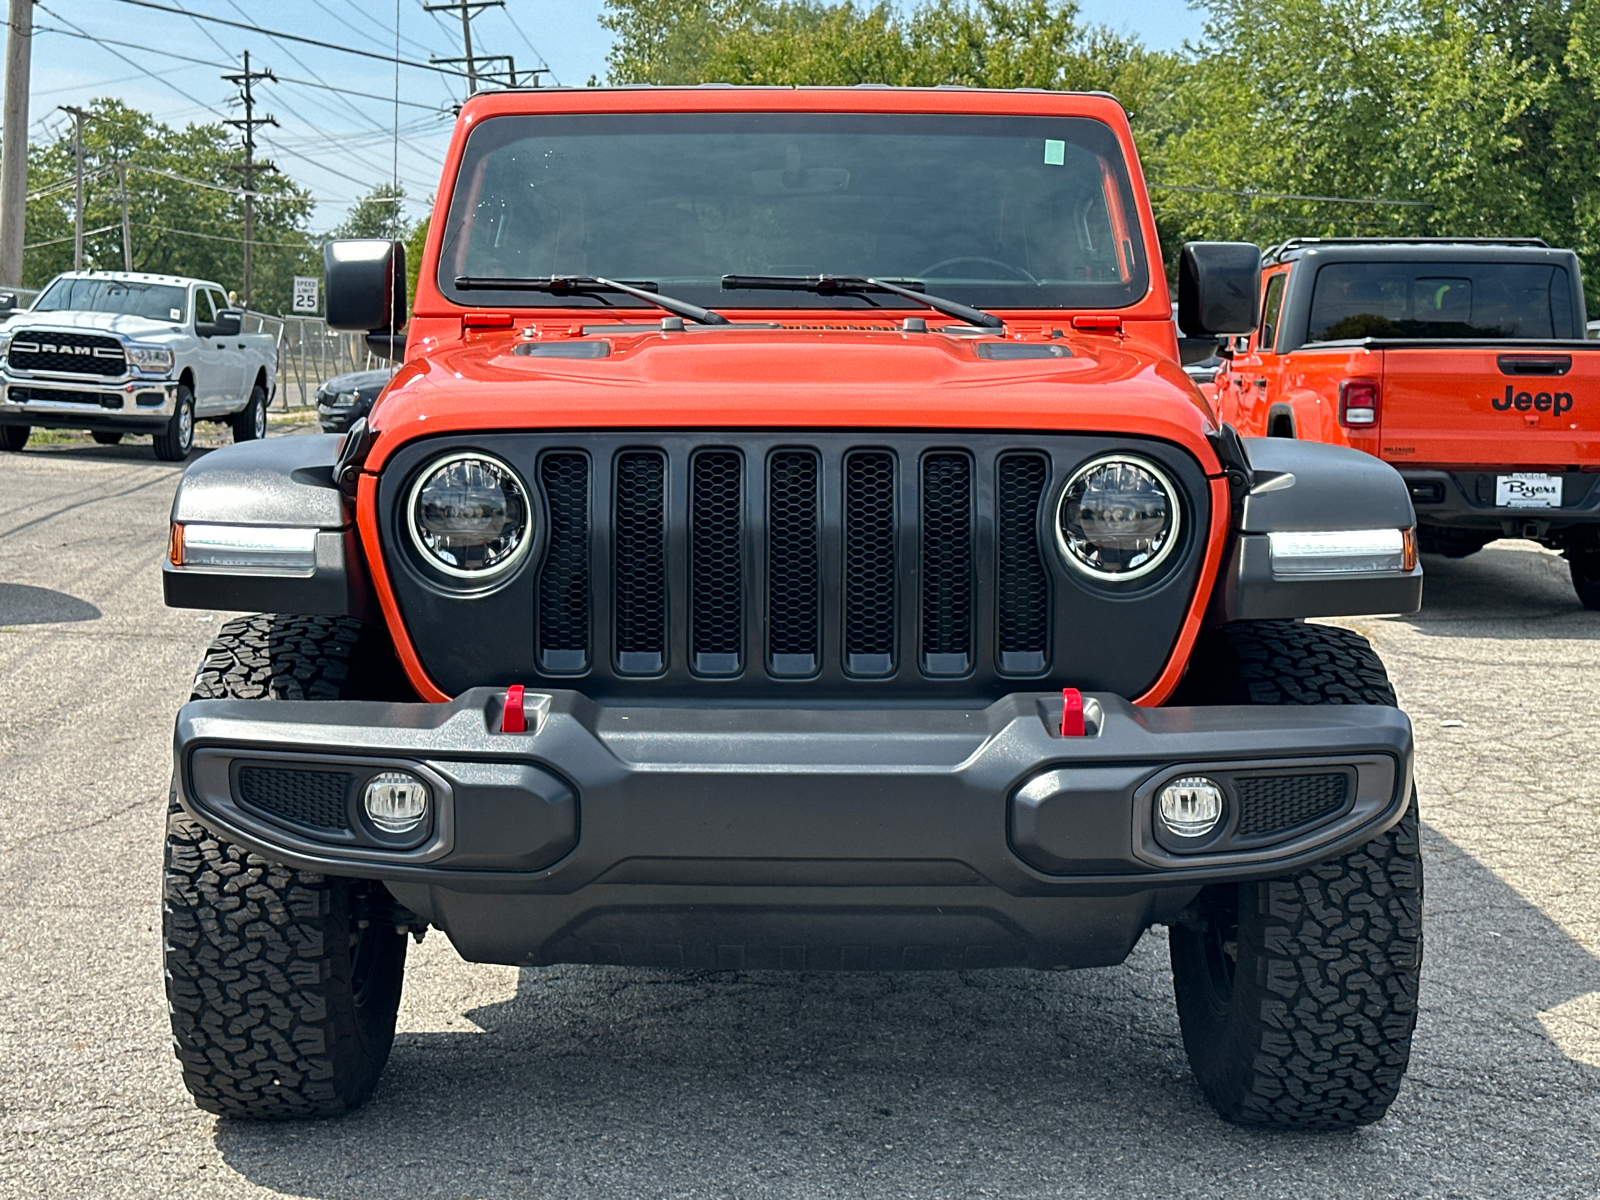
column 828, row 837
column 126, row 405
column 1464, row 499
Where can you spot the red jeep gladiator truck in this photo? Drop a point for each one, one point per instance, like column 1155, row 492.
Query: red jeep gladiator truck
column 1460, row 361
column 791, row 542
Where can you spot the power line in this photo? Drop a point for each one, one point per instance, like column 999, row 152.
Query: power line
column 291, row 37
column 308, row 245
column 205, row 62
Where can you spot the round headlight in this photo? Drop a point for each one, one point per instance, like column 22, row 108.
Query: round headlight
column 470, row 517
column 1117, row 519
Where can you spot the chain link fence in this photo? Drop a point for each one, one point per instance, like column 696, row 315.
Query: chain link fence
column 309, row 353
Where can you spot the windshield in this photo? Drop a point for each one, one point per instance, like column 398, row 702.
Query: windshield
column 155, row 301
column 1441, row 300
column 995, row 212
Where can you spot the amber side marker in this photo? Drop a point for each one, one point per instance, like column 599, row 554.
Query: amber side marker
column 175, row 545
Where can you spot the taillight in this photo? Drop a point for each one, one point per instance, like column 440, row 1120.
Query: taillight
column 1358, row 402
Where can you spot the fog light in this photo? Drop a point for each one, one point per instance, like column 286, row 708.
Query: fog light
column 396, row 802
column 1190, row 807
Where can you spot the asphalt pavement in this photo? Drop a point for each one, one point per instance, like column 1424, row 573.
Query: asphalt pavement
column 608, row 1082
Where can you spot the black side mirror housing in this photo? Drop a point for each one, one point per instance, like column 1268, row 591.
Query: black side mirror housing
column 1219, row 288
column 229, row 323
column 1194, row 350
column 365, row 285
column 8, row 303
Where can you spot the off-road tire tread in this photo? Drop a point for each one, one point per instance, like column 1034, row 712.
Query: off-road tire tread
column 1329, row 970
column 263, row 1021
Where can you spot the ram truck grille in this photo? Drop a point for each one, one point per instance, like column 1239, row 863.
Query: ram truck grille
column 839, row 563
column 67, row 353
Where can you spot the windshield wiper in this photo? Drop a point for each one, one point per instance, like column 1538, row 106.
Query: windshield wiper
column 824, row 284
column 557, row 284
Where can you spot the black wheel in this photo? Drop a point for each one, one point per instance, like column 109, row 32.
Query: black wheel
column 1297, row 997
column 1585, row 568
column 282, row 984
column 174, row 443
column 14, row 437
column 251, row 423
column 106, row 439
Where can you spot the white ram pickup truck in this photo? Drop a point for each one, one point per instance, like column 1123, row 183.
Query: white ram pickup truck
column 118, row 352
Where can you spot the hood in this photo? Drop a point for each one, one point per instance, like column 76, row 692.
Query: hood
column 130, row 327
column 720, row 378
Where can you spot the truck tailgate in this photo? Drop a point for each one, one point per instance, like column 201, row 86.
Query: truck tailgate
column 1501, row 404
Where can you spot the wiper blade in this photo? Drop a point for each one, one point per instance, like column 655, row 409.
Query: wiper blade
column 642, row 290
column 824, row 284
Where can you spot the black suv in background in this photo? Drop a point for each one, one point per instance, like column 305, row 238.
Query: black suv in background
column 344, row 398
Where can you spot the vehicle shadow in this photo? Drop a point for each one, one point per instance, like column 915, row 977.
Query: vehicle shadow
column 617, row 1082
column 22, row 604
column 1507, row 591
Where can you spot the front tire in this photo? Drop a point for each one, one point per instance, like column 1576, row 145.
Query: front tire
column 14, row 437
column 1297, row 996
column 250, row 424
column 174, row 443
column 282, row 984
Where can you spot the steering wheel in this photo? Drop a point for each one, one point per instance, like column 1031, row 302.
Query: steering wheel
column 1013, row 270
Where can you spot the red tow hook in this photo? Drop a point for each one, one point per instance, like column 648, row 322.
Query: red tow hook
column 514, row 720
column 1071, row 712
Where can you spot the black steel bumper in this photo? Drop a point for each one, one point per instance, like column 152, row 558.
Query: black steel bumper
column 1465, row 500
column 765, row 837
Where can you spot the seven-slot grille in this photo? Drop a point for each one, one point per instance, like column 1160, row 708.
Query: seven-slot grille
column 778, row 506
column 68, row 353
column 760, row 565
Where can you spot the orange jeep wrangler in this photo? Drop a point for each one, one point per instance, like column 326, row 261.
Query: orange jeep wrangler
column 791, row 542
column 1461, row 361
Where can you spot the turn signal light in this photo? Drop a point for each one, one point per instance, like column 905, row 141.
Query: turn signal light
column 1358, row 403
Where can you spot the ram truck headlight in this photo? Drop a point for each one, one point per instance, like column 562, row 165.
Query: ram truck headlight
column 244, row 549
column 1343, row 551
column 1117, row 519
column 469, row 516
column 150, row 359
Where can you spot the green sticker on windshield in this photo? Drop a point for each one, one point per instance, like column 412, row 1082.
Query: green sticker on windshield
column 1055, row 153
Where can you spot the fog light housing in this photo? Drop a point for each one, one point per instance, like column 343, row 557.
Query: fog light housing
column 1190, row 807
column 396, row 801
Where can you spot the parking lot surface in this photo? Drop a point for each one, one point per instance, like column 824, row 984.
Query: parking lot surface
column 579, row 1082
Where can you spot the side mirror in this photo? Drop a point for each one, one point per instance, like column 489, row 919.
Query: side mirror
column 229, row 323
column 365, row 284
column 8, row 303
column 1194, row 350
column 1219, row 288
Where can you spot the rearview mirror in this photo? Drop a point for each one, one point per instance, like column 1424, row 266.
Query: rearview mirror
column 229, row 323
column 8, row 303
column 366, row 285
column 1219, row 286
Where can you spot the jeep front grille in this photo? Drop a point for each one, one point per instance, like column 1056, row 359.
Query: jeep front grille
column 760, row 564
column 67, row 353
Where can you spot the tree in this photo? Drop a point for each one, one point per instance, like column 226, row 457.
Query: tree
column 185, row 214
column 378, row 214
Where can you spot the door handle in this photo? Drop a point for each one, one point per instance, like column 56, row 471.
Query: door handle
column 1261, row 383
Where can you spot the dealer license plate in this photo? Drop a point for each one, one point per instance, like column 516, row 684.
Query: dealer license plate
column 1527, row 489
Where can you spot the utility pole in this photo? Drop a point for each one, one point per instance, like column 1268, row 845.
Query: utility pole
column 127, row 239
column 78, row 116
column 250, row 166
column 466, row 8
column 14, row 142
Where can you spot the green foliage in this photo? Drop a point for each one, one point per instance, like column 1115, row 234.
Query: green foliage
column 178, row 227
column 415, row 241
column 378, row 214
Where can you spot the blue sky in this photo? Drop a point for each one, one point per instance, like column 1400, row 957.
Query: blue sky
column 338, row 143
